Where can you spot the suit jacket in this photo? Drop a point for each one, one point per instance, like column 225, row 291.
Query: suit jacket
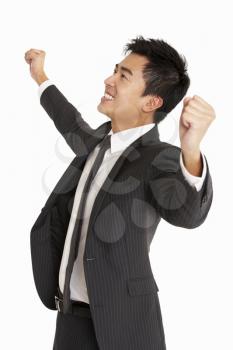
column 145, row 184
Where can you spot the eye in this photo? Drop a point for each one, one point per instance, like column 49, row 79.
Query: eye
column 122, row 75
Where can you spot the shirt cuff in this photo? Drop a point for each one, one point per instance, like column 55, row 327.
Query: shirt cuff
column 43, row 86
column 196, row 181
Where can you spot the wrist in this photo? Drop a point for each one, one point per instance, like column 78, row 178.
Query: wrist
column 194, row 154
column 40, row 78
column 193, row 162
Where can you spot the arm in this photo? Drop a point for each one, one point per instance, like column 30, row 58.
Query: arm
column 43, row 86
column 196, row 181
column 173, row 197
column 65, row 116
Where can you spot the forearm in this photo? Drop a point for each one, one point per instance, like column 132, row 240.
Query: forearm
column 193, row 162
column 175, row 200
column 40, row 78
column 194, row 181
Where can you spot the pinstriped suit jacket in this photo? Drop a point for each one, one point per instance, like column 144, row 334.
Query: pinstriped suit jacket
column 145, row 184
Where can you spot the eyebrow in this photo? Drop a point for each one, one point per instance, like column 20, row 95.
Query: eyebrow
column 125, row 69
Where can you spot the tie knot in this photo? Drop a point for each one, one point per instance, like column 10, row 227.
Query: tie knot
column 105, row 142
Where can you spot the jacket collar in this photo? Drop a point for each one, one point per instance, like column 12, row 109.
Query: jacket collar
column 120, row 140
column 131, row 152
column 149, row 137
column 69, row 180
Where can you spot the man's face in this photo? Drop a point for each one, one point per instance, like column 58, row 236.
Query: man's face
column 126, row 85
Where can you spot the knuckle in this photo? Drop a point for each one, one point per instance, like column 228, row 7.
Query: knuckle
column 212, row 110
column 192, row 102
column 210, row 118
column 188, row 109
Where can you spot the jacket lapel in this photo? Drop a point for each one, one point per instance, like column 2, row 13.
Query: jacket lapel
column 131, row 152
column 70, row 178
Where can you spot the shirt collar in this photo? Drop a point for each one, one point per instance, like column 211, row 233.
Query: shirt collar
column 120, row 140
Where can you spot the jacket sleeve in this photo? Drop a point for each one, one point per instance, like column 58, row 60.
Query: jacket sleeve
column 67, row 119
column 46, row 238
column 172, row 196
column 196, row 181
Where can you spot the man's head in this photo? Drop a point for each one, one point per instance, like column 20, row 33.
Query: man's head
column 146, row 85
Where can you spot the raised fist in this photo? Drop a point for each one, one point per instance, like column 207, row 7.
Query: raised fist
column 35, row 58
column 196, row 117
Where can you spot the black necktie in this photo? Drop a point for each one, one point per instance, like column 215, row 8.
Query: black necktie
column 104, row 145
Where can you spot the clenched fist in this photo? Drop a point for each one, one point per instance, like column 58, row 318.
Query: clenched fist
column 35, row 58
column 195, row 119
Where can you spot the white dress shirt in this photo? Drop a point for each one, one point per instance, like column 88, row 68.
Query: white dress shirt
column 119, row 141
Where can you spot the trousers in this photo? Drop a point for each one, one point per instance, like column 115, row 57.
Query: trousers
column 74, row 332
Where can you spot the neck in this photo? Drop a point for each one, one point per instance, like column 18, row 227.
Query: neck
column 116, row 127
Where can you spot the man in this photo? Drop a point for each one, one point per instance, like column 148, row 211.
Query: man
column 90, row 243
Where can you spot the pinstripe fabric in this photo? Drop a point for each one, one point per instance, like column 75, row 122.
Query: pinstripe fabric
column 79, row 220
column 145, row 185
column 74, row 332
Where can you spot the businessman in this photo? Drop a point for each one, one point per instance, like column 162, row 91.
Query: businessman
column 90, row 244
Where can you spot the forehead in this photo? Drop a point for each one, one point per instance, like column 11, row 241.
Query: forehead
column 134, row 62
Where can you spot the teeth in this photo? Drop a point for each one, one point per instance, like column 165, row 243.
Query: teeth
column 108, row 97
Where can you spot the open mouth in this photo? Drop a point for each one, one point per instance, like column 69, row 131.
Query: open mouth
column 107, row 98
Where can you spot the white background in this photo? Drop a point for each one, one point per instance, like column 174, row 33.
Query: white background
column 193, row 268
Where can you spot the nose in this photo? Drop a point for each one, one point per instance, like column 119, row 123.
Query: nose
column 109, row 80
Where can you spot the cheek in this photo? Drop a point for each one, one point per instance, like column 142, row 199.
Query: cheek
column 126, row 98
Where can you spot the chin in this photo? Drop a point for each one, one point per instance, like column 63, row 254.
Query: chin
column 103, row 110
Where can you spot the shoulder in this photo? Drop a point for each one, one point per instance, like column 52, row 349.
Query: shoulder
column 165, row 157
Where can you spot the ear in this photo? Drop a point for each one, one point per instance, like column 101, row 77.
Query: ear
column 152, row 103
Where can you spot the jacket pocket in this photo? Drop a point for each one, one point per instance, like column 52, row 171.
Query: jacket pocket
column 141, row 286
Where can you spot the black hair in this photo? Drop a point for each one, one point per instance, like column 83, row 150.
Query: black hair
column 165, row 75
